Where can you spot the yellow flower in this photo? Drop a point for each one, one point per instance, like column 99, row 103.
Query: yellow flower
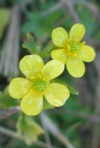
column 72, row 52
column 37, row 84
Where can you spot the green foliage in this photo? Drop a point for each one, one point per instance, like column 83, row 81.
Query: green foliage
column 6, row 101
column 35, row 24
column 30, row 45
column 40, row 24
column 33, row 48
column 74, row 104
column 4, row 20
column 71, row 104
column 72, row 90
column 87, row 19
column 45, row 52
column 28, row 129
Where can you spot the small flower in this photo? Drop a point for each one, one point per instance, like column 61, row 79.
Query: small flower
column 37, row 84
column 72, row 52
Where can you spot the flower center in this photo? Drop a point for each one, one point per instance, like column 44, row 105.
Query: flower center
column 73, row 47
column 39, row 85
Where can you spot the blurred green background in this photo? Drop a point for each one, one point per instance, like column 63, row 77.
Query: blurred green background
column 25, row 28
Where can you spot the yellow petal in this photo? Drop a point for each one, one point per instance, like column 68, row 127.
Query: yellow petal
column 57, row 94
column 77, row 32
column 31, row 65
column 75, row 66
column 32, row 104
column 59, row 36
column 19, row 87
column 59, row 54
column 52, row 69
column 87, row 53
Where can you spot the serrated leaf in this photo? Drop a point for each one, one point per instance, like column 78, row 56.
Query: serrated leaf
column 28, row 129
column 36, row 24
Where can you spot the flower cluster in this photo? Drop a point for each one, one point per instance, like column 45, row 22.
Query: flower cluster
column 38, row 82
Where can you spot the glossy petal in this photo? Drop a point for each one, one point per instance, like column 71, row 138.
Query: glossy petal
column 19, row 87
column 77, row 32
column 52, row 69
column 59, row 36
column 32, row 104
column 57, row 94
column 31, row 65
column 59, row 54
column 87, row 53
column 75, row 66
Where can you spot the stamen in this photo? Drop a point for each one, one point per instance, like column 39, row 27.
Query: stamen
column 39, row 85
column 73, row 47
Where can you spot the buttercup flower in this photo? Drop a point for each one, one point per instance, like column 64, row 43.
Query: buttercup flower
column 72, row 52
column 37, row 84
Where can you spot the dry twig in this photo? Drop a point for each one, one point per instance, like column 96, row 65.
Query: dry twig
column 10, row 51
column 52, row 128
column 45, row 132
column 5, row 113
column 13, row 134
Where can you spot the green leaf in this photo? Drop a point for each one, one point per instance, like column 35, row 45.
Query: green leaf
column 46, row 51
column 6, row 101
column 36, row 23
column 28, row 129
column 4, row 20
column 72, row 90
column 30, row 45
